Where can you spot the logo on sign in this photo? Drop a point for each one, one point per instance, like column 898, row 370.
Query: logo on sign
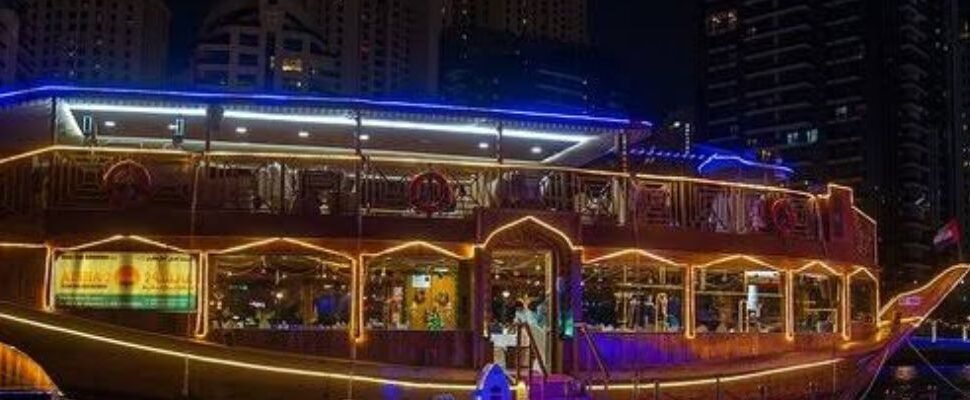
column 911, row 301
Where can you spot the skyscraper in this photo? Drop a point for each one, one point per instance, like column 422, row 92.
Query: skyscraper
column 14, row 62
column 384, row 47
column 267, row 45
column 565, row 21
column 851, row 91
column 97, row 41
column 533, row 54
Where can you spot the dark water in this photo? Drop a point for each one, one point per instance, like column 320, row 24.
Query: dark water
column 919, row 382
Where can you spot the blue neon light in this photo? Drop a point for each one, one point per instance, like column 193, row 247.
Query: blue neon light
column 322, row 99
column 755, row 164
column 710, row 159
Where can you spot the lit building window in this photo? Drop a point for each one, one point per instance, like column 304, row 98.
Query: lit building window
column 633, row 293
column 292, row 65
column 739, row 298
column 722, row 22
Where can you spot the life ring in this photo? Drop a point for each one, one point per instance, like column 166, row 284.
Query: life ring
column 783, row 216
column 127, row 184
column 430, row 192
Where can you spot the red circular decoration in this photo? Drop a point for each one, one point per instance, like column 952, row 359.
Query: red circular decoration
column 783, row 216
column 430, row 193
column 128, row 184
column 127, row 275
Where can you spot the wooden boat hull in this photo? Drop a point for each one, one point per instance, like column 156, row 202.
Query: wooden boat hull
column 94, row 360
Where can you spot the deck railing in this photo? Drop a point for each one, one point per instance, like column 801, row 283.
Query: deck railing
column 78, row 179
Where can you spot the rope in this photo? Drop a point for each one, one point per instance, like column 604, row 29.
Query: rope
column 942, row 377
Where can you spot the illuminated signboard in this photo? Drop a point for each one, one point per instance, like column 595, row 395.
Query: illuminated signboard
column 133, row 281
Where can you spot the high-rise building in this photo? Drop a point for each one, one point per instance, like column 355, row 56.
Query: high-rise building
column 383, row 47
column 532, row 54
column 13, row 60
column 850, row 91
column 263, row 45
column 495, row 68
column 555, row 20
column 97, row 41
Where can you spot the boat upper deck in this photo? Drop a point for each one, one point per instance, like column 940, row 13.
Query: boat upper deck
column 90, row 161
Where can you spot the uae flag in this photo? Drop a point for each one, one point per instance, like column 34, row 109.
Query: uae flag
column 948, row 235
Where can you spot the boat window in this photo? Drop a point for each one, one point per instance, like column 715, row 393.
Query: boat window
column 863, row 299
column 280, row 292
column 739, row 298
column 413, row 291
column 633, row 294
column 817, row 301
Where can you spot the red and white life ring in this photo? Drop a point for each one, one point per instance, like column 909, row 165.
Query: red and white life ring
column 430, row 193
column 783, row 216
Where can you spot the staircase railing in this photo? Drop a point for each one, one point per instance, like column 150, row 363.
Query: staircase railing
column 595, row 352
column 534, row 354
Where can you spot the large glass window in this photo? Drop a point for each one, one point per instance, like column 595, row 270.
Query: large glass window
column 817, row 301
column 739, row 298
column 415, row 289
column 862, row 308
column 281, row 292
column 633, row 293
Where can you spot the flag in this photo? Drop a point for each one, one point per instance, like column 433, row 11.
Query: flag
column 948, row 235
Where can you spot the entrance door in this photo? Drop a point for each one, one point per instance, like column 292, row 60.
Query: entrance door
column 521, row 293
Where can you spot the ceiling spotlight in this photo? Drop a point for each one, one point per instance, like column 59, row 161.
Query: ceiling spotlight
column 536, row 150
column 109, row 124
column 242, row 130
column 303, row 134
column 364, row 137
column 483, row 145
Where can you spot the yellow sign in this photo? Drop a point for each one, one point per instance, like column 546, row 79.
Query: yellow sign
column 138, row 281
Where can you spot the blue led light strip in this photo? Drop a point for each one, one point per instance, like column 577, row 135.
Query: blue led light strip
column 335, row 100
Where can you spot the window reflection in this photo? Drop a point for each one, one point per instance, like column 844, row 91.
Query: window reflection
column 735, row 299
column 280, row 292
column 633, row 293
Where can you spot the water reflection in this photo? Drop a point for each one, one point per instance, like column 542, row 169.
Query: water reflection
column 913, row 382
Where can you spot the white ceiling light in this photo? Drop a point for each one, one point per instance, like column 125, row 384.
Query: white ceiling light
column 536, row 150
column 466, row 129
column 483, row 145
column 364, row 137
column 341, row 120
column 303, row 134
column 199, row 112
column 110, row 124
column 242, row 130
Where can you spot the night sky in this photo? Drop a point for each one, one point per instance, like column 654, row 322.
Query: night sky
column 650, row 41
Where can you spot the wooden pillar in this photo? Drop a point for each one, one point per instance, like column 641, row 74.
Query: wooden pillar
column 480, row 307
column 499, row 141
column 789, row 301
column 690, row 330
column 846, row 306
column 566, row 359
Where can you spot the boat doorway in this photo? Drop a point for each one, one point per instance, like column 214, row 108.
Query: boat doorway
column 521, row 299
column 530, row 275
